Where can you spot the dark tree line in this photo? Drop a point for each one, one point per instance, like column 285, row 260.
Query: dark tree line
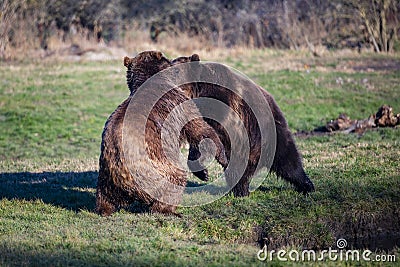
column 284, row 24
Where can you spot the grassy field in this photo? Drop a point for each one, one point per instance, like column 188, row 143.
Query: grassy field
column 52, row 115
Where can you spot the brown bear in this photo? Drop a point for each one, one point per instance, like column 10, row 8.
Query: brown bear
column 286, row 163
column 133, row 164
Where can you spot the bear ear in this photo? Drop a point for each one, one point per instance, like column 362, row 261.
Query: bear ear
column 127, row 61
column 158, row 55
column 194, row 57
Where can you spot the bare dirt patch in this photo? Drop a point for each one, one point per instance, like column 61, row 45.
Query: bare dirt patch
column 369, row 65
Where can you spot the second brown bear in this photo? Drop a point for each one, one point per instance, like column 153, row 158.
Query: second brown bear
column 287, row 162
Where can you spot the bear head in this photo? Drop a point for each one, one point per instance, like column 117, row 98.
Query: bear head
column 191, row 58
column 143, row 66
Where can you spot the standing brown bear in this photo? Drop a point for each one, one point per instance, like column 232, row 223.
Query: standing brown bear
column 133, row 164
column 287, row 162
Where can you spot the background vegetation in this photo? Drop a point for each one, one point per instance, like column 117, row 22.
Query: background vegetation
column 310, row 24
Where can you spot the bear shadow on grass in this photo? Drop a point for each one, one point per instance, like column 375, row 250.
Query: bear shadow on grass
column 73, row 191
column 70, row 190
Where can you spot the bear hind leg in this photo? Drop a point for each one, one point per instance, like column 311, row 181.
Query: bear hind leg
column 104, row 207
column 160, row 207
column 287, row 165
column 241, row 189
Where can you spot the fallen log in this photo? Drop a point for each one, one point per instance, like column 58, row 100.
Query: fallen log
column 383, row 118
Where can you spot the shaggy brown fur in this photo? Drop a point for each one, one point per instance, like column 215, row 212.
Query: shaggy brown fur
column 287, row 161
column 119, row 185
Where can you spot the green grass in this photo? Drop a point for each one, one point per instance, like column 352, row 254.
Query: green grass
column 57, row 110
column 52, row 116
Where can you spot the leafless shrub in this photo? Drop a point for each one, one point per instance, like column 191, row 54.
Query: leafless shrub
column 7, row 19
column 315, row 25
